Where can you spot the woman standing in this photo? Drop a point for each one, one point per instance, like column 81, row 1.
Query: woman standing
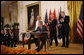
column 38, row 19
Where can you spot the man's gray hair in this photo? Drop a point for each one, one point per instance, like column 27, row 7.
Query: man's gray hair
column 62, row 12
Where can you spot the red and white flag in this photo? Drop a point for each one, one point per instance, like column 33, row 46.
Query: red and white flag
column 49, row 14
column 54, row 14
column 80, row 24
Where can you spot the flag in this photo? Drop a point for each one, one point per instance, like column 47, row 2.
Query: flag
column 46, row 21
column 54, row 14
column 46, row 17
column 80, row 24
column 60, row 14
column 56, row 19
column 49, row 14
column 59, row 28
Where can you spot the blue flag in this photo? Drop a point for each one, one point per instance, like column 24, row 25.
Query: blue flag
column 46, row 18
column 81, row 12
column 60, row 14
column 59, row 28
column 46, row 21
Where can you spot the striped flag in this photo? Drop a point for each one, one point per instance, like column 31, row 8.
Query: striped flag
column 49, row 14
column 46, row 18
column 80, row 24
column 46, row 21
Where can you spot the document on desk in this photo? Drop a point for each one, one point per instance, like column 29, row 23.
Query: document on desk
column 38, row 33
column 28, row 34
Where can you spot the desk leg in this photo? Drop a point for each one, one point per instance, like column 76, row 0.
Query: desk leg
column 45, row 45
column 29, row 44
column 39, row 43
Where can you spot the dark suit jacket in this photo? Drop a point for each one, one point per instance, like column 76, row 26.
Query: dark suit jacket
column 65, row 25
column 44, row 28
column 2, row 37
column 8, row 37
column 52, row 27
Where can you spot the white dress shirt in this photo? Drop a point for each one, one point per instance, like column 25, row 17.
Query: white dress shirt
column 36, row 25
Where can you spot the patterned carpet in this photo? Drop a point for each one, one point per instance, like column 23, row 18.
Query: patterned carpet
column 73, row 48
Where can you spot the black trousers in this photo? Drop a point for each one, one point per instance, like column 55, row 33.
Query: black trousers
column 53, row 37
column 36, row 41
column 3, row 42
column 8, row 42
column 13, row 42
column 65, row 35
column 43, row 42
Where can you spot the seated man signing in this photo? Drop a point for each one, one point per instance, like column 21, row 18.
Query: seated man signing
column 41, row 28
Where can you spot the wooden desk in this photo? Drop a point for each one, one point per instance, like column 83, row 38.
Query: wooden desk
column 30, row 41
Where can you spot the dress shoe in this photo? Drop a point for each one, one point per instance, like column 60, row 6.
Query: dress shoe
column 67, row 46
column 15, row 46
column 57, row 45
column 62, row 46
column 11, row 45
column 38, row 50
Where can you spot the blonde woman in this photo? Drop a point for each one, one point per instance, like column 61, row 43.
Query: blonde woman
column 38, row 19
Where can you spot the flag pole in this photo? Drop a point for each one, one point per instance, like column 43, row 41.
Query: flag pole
column 58, row 17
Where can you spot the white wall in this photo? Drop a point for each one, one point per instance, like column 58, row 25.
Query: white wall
column 44, row 5
column 53, row 5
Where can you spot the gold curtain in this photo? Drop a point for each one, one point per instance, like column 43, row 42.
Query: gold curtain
column 74, row 8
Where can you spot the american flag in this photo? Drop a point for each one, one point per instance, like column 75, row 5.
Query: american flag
column 46, row 24
column 80, row 24
column 48, row 30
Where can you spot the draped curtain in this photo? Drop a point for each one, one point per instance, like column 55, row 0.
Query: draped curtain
column 74, row 8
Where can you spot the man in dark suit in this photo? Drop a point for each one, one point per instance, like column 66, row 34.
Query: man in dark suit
column 52, row 28
column 12, row 38
column 3, row 37
column 41, row 28
column 7, row 38
column 65, row 29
